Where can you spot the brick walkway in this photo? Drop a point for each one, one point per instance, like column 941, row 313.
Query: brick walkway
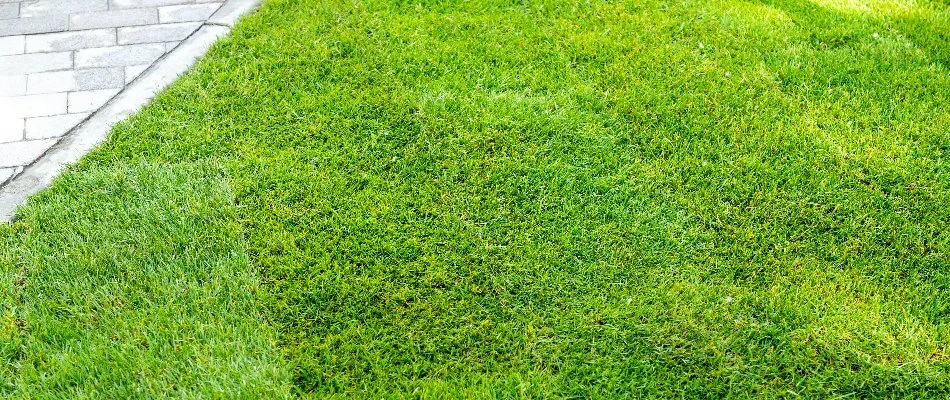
column 61, row 60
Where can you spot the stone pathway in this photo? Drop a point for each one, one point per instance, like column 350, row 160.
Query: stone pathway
column 63, row 60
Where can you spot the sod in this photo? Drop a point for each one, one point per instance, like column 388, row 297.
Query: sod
column 491, row 198
column 134, row 282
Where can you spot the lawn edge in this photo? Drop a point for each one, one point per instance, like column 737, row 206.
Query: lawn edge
column 93, row 131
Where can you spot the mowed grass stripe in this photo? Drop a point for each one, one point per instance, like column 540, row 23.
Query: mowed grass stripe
column 134, row 282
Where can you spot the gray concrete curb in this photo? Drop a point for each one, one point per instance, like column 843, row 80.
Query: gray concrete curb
column 89, row 134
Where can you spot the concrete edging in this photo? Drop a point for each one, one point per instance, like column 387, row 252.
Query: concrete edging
column 94, row 130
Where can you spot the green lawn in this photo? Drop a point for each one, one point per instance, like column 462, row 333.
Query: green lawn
column 509, row 198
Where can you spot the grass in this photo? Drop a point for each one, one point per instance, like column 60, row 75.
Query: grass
column 144, row 293
column 493, row 198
